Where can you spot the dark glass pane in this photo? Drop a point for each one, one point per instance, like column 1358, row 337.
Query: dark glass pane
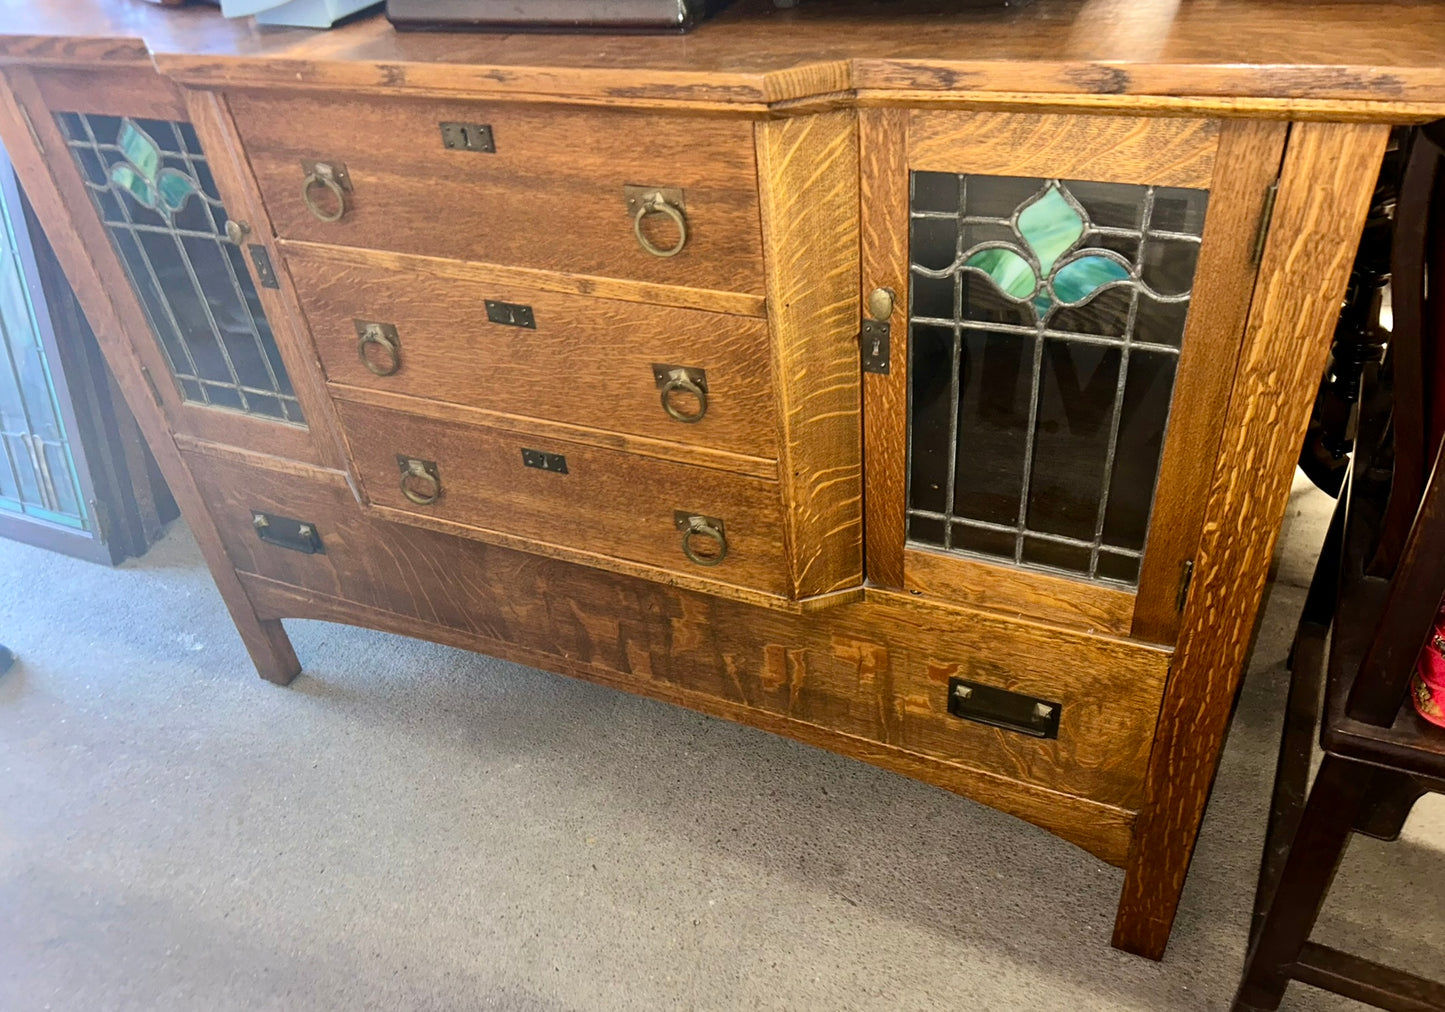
column 1177, row 210
column 1059, row 411
column 224, row 395
column 1168, row 265
column 1075, row 412
column 935, row 243
column 1106, row 314
column 933, row 297
column 931, row 375
column 982, row 302
column 996, row 389
column 1160, row 322
column 926, row 529
column 1142, row 422
column 997, row 196
column 1053, row 554
column 1109, row 205
column 935, row 191
column 998, row 544
column 153, row 303
column 1121, row 568
column 159, row 202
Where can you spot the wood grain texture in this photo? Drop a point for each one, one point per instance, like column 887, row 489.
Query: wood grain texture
column 1102, row 830
column 883, row 215
column 550, row 197
column 1105, row 149
column 1383, row 51
column 1328, row 176
column 71, row 226
column 586, row 362
column 638, row 446
column 876, row 671
column 808, row 189
column 608, row 504
column 343, row 257
column 142, row 93
column 212, row 122
column 1210, row 106
column 1091, row 606
column 1248, row 161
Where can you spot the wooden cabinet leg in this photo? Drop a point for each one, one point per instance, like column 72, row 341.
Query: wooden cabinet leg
column 269, row 647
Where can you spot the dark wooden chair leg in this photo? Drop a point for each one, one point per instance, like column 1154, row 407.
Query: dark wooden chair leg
column 1391, row 798
column 1319, row 606
column 1334, row 804
column 1292, row 771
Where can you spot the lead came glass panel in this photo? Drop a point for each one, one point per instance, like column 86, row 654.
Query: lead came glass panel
column 158, row 200
column 1045, row 321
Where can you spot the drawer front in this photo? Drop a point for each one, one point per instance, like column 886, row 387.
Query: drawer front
column 577, row 498
column 565, row 358
column 550, row 196
column 879, row 670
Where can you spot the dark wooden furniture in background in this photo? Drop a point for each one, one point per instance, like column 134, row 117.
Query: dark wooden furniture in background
column 1371, row 608
column 415, row 330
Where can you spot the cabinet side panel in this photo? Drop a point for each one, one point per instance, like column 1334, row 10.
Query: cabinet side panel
column 1328, row 177
column 808, row 174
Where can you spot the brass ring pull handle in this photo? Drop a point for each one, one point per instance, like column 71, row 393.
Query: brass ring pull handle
column 421, row 473
column 680, row 382
column 324, row 176
column 655, row 203
column 371, row 335
column 694, row 527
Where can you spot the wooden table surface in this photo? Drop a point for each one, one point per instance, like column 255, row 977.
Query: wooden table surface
column 1385, row 54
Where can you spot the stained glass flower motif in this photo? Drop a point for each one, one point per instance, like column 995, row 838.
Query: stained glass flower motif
column 1040, row 270
column 159, row 188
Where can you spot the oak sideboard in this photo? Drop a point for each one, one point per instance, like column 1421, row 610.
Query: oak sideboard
column 925, row 386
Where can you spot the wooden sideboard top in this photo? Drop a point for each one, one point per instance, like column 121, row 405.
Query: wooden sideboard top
column 1367, row 59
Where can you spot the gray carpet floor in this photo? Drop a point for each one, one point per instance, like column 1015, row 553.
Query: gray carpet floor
column 414, row 827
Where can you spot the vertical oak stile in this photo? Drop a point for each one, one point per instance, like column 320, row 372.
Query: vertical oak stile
column 808, row 181
column 1325, row 187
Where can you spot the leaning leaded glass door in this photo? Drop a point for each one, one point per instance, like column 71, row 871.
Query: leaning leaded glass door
column 156, row 178
column 1067, row 296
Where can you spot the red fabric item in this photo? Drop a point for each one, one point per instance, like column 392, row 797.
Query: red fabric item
column 1427, row 688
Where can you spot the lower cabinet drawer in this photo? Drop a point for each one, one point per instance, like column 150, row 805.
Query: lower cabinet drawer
column 878, row 671
column 586, row 503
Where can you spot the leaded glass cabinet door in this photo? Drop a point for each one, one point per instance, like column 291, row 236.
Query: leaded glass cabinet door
column 210, row 337
column 1069, row 296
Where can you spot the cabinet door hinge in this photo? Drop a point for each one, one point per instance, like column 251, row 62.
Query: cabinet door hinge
column 1186, row 576
column 1265, row 214
column 151, row 385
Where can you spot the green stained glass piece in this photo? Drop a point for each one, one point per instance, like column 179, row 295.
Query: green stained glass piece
column 131, row 181
column 142, row 152
column 175, row 189
column 1011, row 272
column 1078, row 279
column 1051, row 225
